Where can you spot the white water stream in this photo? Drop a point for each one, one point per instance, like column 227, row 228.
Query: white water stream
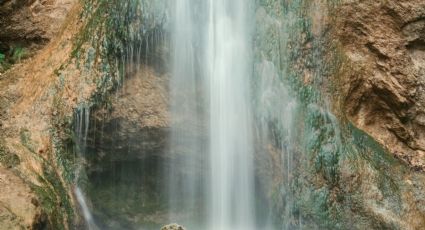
column 231, row 143
column 210, row 88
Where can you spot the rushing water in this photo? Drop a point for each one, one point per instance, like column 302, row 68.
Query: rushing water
column 185, row 144
column 228, row 64
column 85, row 209
column 210, row 90
column 82, row 124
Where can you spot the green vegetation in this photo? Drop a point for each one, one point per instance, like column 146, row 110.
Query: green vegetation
column 3, row 63
column 54, row 199
column 8, row 159
column 15, row 55
column 25, row 137
column 2, row 57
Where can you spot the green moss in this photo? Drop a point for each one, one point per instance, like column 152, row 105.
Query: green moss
column 63, row 145
column 15, row 55
column 59, row 174
column 54, row 199
column 388, row 170
column 25, row 136
column 2, row 58
column 8, row 159
column 18, row 53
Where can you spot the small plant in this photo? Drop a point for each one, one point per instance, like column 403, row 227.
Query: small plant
column 3, row 64
column 17, row 54
column 2, row 57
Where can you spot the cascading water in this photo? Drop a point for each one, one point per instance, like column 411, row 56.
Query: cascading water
column 88, row 217
column 186, row 145
column 211, row 83
column 228, row 64
column 82, row 124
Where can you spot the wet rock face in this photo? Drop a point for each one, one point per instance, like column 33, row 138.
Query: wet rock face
column 385, row 96
column 137, row 120
column 127, row 151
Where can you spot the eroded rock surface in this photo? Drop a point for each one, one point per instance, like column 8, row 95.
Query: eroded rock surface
column 19, row 207
column 385, row 96
column 31, row 23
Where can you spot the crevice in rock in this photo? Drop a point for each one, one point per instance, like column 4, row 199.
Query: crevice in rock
column 372, row 47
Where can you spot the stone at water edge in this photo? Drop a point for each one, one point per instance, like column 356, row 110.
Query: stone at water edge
column 173, row 227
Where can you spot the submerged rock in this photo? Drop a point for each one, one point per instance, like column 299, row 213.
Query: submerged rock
column 173, row 227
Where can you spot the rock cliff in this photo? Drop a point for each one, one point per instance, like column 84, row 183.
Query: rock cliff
column 373, row 60
column 384, row 91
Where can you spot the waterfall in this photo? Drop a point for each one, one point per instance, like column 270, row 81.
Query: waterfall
column 231, row 151
column 186, row 145
column 82, row 124
column 210, row 96
column 252, row 143
column 86, row 211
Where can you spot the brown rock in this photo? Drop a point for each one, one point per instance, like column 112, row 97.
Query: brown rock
column 28, row 23
column 17, row 210
column 143, row 99
column 384, row 94
column 25, row 103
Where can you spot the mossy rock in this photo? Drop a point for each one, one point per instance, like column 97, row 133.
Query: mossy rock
column 25, row 137
column 8, row 159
